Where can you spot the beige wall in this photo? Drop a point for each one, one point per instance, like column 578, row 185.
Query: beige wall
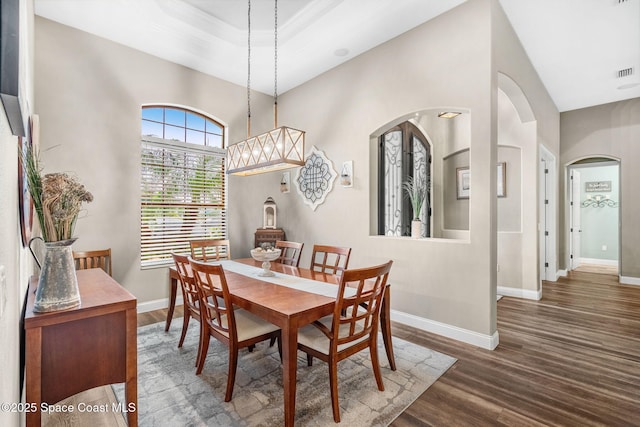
column 89, row 95
column 447, row 281
column 610, row 130
column 538, row 116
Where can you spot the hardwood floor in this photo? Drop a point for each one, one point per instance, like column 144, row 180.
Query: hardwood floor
column 572, row 358
column 598, row 268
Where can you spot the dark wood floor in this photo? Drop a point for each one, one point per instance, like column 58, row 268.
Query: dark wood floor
column 572, row 358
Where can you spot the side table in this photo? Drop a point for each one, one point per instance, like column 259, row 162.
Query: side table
column 268, row 235
column 73, row 350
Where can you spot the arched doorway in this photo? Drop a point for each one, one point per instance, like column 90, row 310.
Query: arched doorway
column 593, row 214
column 517, row 224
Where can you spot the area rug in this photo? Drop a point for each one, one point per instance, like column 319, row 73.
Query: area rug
column 171, row 394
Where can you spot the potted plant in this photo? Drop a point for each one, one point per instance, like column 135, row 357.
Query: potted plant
column 57, row 199
column 417, row 191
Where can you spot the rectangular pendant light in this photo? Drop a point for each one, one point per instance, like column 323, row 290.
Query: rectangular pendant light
column 278, row 149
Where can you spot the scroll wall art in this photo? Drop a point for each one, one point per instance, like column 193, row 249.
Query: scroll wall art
column 315, row 179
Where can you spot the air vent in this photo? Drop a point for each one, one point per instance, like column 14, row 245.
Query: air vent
column 626, row 72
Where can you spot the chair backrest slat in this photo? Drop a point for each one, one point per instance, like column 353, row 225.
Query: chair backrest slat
column 93, row 259
column 359, row 312
column 290, row 254
column 215, row 300
column 210, row 249
column 190, row 291
column 330, row 259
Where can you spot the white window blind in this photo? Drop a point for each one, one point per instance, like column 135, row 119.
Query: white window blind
column 182, row 198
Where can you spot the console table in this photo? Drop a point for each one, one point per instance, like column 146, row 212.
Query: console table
column 268, row 235
column 73, row 350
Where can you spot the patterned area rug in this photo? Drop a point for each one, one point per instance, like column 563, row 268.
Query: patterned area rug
column 171, row 394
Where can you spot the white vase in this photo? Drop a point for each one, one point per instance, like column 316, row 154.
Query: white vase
column 416, row 229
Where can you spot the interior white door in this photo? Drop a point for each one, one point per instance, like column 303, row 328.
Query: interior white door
column 575, row 218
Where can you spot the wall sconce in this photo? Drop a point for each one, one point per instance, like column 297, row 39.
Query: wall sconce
column 599, row 201
column 448, row 114
column 346, row 175
column 284, row 182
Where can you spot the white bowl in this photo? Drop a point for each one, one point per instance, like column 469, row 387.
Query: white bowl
column 262, row 255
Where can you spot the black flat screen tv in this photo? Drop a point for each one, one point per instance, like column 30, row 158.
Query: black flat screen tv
column 10, row 64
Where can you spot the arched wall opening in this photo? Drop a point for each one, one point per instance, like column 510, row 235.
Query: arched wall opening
column 517, row 241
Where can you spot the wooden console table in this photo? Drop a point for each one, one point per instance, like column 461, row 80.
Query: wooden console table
column 73, row 350
column 268, row 235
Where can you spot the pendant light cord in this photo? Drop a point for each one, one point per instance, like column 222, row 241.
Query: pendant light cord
column 249, row 69
column 275, row 61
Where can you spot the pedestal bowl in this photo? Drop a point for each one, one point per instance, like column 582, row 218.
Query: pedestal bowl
column 266, row 256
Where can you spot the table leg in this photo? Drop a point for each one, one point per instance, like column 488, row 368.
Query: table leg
column 289, row 371
column 173, row 284
column 33, row 378
column 385, row 322
column 131, row 388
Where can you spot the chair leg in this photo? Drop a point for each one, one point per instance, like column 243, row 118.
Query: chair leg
column 203, row 352
column 185, row 326
column 200, row 339
column 309, row 360
column 272, row 341
column 251, row 347
column 233, row 364
column 333, row 382
column 375, row 364
column 279, row 339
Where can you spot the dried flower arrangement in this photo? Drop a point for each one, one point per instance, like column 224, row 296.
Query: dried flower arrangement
column 57, row 198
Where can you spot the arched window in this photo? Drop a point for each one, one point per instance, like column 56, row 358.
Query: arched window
column 182, row 182
column 403, row 153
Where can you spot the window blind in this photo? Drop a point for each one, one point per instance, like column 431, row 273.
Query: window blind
column 182, row 198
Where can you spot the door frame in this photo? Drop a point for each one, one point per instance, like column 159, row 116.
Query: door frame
column 595, row 160
column 547, row 173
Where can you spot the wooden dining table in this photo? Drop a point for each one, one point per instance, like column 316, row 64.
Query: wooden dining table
column 289, row 309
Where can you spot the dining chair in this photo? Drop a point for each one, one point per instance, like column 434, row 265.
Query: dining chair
column 330, row 259
column 210, row 249
column 290, row 252
column 190, row 298
column 236, row 328
column 93, row 259
column 352, row 327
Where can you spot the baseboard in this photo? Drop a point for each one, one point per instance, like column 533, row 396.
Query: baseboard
column 157, row 304
column 489, row 342
column 520, row 293
column 562, row 273
column 626, row 280
column 597, row 261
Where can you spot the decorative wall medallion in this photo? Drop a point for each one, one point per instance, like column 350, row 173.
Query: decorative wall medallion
column 315, row 179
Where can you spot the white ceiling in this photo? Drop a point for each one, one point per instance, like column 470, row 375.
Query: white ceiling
column 576, row 46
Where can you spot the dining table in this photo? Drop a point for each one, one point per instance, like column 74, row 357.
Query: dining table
column 290, row 305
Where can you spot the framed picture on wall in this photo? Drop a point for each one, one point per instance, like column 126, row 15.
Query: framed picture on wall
column 502, row 179
column 463, row 177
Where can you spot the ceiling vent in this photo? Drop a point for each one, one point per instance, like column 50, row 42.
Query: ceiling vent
column 626, row 72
